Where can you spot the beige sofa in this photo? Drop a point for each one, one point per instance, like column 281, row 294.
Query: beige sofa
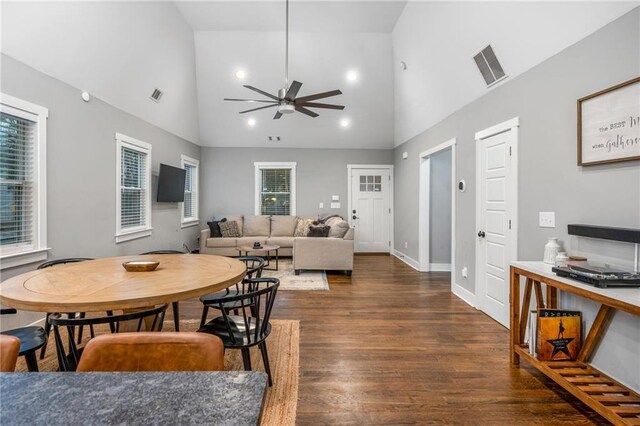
column 308, row 252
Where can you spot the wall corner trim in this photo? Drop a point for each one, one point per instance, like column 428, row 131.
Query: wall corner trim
column 464, row 294
column 406, row 259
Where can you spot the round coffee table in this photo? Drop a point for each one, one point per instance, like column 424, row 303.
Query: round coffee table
column 265, row 248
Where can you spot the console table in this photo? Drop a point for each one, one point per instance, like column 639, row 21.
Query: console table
column 609, row 398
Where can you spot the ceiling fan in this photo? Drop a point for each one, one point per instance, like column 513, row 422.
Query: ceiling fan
column 287, row 100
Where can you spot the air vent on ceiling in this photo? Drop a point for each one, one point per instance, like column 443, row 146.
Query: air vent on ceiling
column 274, row 138
column 156, row 95
column 489, row 66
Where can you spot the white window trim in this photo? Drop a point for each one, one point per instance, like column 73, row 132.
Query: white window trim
column 144, row 147
column 195, row 220
column 275, row 165
column 38, row 251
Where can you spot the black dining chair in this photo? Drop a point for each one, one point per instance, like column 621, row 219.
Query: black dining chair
column 47, row 326
column 31, row 338
column 175, row 305
column 255, row 266
column 69, row 361
column 250, row 327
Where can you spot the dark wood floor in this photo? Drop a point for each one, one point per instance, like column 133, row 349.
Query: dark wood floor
column 393, row 346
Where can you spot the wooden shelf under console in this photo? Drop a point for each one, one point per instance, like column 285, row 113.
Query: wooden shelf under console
column 609, row 398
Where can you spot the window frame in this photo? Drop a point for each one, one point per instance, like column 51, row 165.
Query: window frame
column 37, row 251
column 195, row 183
column 261, row 165
column 122, row 235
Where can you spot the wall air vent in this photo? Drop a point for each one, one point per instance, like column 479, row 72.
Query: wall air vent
column 156, row 95
column 489, row 66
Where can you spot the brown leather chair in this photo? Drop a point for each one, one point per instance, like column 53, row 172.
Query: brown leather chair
column 9, row 349
column 153, row 351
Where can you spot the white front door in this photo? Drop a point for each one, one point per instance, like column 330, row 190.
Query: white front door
column 370, row 212
column 496, row 215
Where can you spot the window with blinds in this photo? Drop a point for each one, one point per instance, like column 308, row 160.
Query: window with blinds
column 190, row 204
column 133, row 206
column 275, row 189
column 23, row 182
column 17, row 174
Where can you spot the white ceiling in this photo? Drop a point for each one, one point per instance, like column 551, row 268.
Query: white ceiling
column 117, row 51
column 307, row 16
column 320, row 61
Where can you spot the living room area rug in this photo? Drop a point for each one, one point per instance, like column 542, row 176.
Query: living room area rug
column 307, row 280
column 281, row 400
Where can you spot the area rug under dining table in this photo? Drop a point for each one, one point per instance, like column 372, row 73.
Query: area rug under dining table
column 281, row 399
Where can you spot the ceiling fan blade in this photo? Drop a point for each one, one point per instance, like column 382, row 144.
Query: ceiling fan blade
column 250, row 100
column 306, row 111
column 293, row 90
column 277, row 116
column 318, row 96
column 317, row 105
column 256, row 109
column 262, row 92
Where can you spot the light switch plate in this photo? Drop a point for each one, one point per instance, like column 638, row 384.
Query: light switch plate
column 547, row 220
column 321, row 205
column 335, row 205
column 335, row 198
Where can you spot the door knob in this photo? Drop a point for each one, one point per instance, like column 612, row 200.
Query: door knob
column 481, row 234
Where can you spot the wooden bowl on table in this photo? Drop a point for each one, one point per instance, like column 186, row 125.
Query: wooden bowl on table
column 141, row 265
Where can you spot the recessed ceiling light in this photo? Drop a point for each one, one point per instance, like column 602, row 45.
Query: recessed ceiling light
column 352, row 75
column 240, row 74
column 345, row 122
column 251, row 122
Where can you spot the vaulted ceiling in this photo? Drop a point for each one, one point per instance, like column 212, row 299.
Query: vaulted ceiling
column 121, row 51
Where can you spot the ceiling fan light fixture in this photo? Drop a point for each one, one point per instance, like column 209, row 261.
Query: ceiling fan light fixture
column 286, row 109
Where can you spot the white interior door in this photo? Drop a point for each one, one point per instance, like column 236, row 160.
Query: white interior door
column 496, row 204
column 370, row 212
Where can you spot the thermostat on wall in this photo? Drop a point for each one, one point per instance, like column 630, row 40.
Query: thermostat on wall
column 462, row 185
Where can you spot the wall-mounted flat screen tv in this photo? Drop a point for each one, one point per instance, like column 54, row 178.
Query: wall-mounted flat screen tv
column 171, row 184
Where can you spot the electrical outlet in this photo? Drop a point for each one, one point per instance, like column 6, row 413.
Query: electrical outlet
column 321, row 205
column 547, row 220
column 406, row 244
column 465, row 272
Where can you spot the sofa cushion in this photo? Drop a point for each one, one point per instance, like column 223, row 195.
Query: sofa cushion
column 238, row 219
column 302, row 227
column 338, row 229
column 221, row 242
column 321, row 231
column 284, row 242
column 214, row 227
column 256, row 226
column 283, row 226
column 229, row 229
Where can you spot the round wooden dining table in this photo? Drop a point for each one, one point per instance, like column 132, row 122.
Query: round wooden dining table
column 103, row 284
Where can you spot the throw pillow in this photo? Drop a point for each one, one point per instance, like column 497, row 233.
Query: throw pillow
column 214, row 226
column 321, row 231
column 229, row 229
column 339, row 229
column 302, row 228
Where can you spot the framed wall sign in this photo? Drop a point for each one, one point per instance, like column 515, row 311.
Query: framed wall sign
column 609, row 125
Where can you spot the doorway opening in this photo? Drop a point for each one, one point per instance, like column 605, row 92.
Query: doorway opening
column 437, row 207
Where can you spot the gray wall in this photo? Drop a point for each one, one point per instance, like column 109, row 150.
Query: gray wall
column 545, row 100
column 440, row 208
column 81, row 154
column 228, row 177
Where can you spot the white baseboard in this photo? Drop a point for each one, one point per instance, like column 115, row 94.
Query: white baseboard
column 440, row 267
column 464, row 294
column 406, row 259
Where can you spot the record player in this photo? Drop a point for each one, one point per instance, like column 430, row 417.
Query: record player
column 602, row 276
